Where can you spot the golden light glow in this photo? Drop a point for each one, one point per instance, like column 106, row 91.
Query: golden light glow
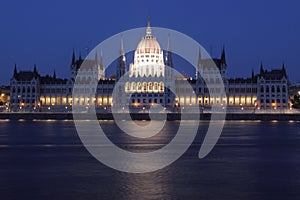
column 237, row 100
column 248, row 100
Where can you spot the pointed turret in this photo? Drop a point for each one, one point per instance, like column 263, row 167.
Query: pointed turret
column 283, row 69
column 122, row 46
column 121, row 66
column 15, row 70
column 98, row 66
column 261, row 69
column 73, row 67
column 34, row 69
column 169, row 42
column 252, row 74
column 199, row 65
column 199, row 56
column 102, row 72
column 101, row 59
column 223, row 57
column 80, row 58
column 148, row 30
column 96, row 58
column 54, row 75
column 169, row 59
column 73, row 57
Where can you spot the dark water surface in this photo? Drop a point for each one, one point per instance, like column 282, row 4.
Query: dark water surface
column 252, row 160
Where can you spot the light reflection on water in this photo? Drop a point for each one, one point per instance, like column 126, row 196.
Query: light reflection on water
column 46, row 160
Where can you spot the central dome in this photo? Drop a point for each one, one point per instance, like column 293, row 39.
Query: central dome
column 148, row 58
column 148, row 44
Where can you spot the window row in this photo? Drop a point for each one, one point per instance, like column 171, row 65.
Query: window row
column 144, row 87
column 267, row 89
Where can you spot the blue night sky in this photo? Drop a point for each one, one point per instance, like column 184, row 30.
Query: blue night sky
column 44, row 32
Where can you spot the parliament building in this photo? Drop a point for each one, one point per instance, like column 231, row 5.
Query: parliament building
column 150, row 81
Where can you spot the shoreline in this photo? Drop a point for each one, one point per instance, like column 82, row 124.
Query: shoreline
column 145, row 116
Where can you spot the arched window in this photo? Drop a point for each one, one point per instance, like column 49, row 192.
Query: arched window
column 155, row 86
column 144, row 87
column 139, row 86
column 133, row 87
column 278, row 89
column 127, row 87
column 161, row 87
column 262, row 89
column 150, row 87
column 267, row 89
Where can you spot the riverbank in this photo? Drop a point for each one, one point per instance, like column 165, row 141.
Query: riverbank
column 145, row 116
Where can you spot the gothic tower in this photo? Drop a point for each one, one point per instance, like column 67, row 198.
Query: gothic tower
column 121, row 65
column 199, row 65
column 73, row 68
column 169, row 76
column 223, row 65
column 101, row 71
column 99, row 67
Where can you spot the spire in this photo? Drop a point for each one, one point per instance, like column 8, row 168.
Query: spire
column 102, row 72
column 169, row 59
column 121, row 66
column 223, row 57
column 261, row 68
column 73, row 57
column 98, row 66
column 122, row 52
column 252, row 73
column 169, row 43
column 34, row 69
column 199, row 56
column 283, row 69
column 148, row 31
column 96, row 58
column 80, row 58
column 101, row 60
column 199, row 67
column 54, row 75
column 121, row 46
column 15, row 70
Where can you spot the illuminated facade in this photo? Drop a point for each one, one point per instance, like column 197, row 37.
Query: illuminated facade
column 149, row 78
column 149, row 81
